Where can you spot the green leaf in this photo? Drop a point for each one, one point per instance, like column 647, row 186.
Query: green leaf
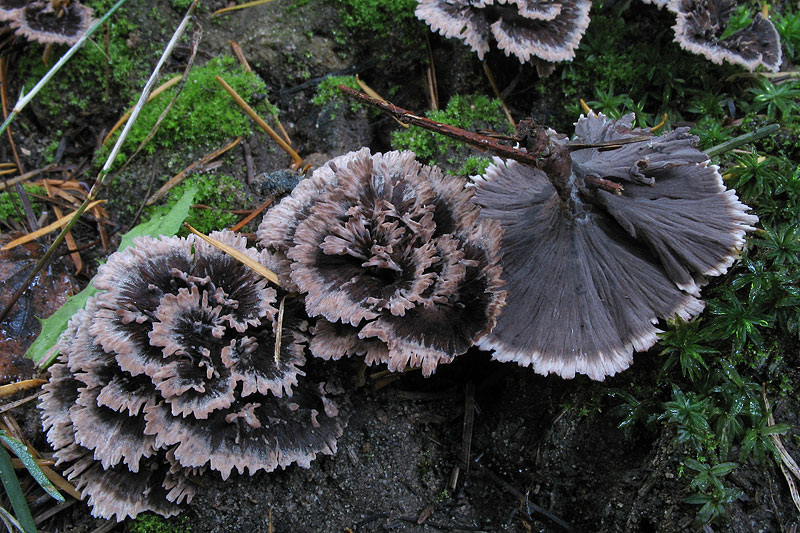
column 42, row 351
column 777, row 429
column 723, row 469
column 697, row 499
column 27, row 459
column 14, row 492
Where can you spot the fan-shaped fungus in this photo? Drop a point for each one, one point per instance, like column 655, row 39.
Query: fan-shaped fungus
column 390, row 255
column 599, row 245
column 173, row 369
column 701, row 25
column 47, row 21
column 528, row 29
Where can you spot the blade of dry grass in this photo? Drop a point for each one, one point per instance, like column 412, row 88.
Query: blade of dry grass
column 19, row 386
column 163, row 87
column 63, row 221
column 240, row 6
column 255, row 266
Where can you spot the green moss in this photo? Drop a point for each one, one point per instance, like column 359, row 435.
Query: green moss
column 328, row 92
column 472, row 112
column 218, row 191
column 7, row 209
column 151, row 523
column 204, row 114
column 380, row 19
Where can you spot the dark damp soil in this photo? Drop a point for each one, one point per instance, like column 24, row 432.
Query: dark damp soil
column 480, row 446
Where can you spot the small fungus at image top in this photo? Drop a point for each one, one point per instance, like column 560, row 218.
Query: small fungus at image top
column 43, row 21
column 538, row 31
column 701, row 25
column 390, row 258
column 600, row 244
column 172, row 370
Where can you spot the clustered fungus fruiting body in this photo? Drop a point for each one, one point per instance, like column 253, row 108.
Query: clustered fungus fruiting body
column 47, row 21
column 390, row 258
column 599, row 245
column 544, row 32
column 700, row 29
column 529, row 29
column 172, row 369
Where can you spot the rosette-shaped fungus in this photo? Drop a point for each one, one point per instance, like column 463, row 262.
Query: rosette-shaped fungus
column 173, row 369
column 528, row 29
column 47, row 21
column 390, row 256
column 599, row 245
column 701, row 25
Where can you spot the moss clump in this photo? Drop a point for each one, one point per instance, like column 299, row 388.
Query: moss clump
column 469, row 112
column 7, row 203
column 328, row 91
column 152, row 523
column 381, row 19
column 217, row 191
column 204, row 115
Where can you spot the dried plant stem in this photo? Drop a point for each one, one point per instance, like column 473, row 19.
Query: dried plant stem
column 114, row 151
column 246, row 220
column 296, row 159
column 490, row 77
column 239, row 256
column 240, row 6
column 164, row 86
column 24, row 100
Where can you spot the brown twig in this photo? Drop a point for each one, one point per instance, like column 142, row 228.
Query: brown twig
column 430, row 72
column 237, row 51
column 480, row 142
column 246, row 220
column 248, row 162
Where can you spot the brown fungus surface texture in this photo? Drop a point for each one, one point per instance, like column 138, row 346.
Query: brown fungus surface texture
column 701, row 26
column 589, row 272
column 531, row 30
column 171, row 370
column 45, row 23
column 390, row 258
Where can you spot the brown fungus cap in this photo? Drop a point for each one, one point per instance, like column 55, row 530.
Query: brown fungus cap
column 700, row 27
column 589, row 273
column 390, row 251
column 40, row 21
column 533, row 31
column 180, row 346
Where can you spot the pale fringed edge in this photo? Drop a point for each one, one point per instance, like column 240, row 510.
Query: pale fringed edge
column 277, row 228
column 9, row 10
column 535, row 9
column 636, row 325
column 456, row 19
column 113, row 437
column 600, row 365
column 566, row 29
column 330, row 298
column 717, row 53
column 20, row 22
column 118, row 494
column 405, row 353
column 60, row 394
column 336, row 340
column 263, row 433
column 660, row 4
